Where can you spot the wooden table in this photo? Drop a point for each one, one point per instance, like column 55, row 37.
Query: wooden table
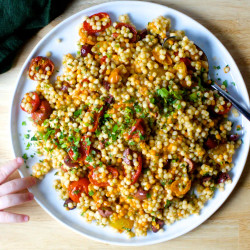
column 228, row 228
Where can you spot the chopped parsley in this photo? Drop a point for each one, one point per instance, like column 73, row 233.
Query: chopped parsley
column 233, row 83
column 148, row 195
column 24, row 123
column 33, row 138
column 78, row 112
column 127, row 229
column 28, row 146
column 225, row 83
column 216, row 67
column 163, row 93
column 25, row 157
column 131, row 143
column 91, row 193
column 27, row 136
column 88, row 141
column 89, row 158
column 168, row 203
column 152, row 100
column 193, row 97
column 76, row 192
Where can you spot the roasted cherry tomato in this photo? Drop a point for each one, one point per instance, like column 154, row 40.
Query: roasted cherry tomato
column 136, row 176
column 131, row 28
column 187, row 61
column 76, row 188
column 168, row 60
column 210, row 143
column 40, row 65
column 30, row 102
column 139, row 127
column 97, row 117
column 93, row 176
column 42, row 113
column 102, row 16
column 226, row 108
column 138, row 171
column 179, row 189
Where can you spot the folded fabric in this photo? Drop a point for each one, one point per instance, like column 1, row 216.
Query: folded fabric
column 19, row 20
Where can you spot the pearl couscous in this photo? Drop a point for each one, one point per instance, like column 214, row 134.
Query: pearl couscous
column 137, row 136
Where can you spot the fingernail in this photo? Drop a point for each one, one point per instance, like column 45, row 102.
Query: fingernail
column 26, row 218
column 31, row 196
column 19, row 160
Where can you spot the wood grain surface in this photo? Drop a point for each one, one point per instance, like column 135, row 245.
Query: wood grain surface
column 228, row 228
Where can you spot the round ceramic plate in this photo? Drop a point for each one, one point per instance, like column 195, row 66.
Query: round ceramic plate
column 140, row 13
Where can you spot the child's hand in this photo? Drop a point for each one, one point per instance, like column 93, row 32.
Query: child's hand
column 8, row 192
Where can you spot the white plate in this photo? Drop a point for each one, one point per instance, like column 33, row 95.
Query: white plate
column 141, row 13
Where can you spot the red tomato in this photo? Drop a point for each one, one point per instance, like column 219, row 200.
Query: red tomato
column 33, row 99
column 132, row 29
column 139, row 126
column 210, row 143
column 97, row 119
column 43, row 112
column 226, row 109
column 76, row 188
column 92, row 176
column 40, row 63
column 138, row 171
column 101, row 15
column 187, row 62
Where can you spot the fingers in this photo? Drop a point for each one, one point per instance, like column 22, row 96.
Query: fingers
column 6, row 217
column 17, row 185
column 11, row 200
column 8, row 168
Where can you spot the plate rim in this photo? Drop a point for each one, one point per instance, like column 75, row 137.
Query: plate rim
column 106, row 4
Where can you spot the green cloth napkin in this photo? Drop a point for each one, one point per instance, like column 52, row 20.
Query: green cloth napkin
column 19, row 20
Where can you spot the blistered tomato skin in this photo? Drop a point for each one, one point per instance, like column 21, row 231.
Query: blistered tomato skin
column 41, row 68
column 30, row 102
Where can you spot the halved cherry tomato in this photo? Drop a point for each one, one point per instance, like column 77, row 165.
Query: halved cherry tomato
column 31, row 98
column 40, row 65
column 210, row 143
column 43, row 112
column 139, row 126
column 128, row 152
column 176, row 188
column 101, row 15
column 76, row 188
column 226, row 109
column 92, row 176
column 168, row 60
column 131, row 28
column 97, row 117
column 138, row 171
